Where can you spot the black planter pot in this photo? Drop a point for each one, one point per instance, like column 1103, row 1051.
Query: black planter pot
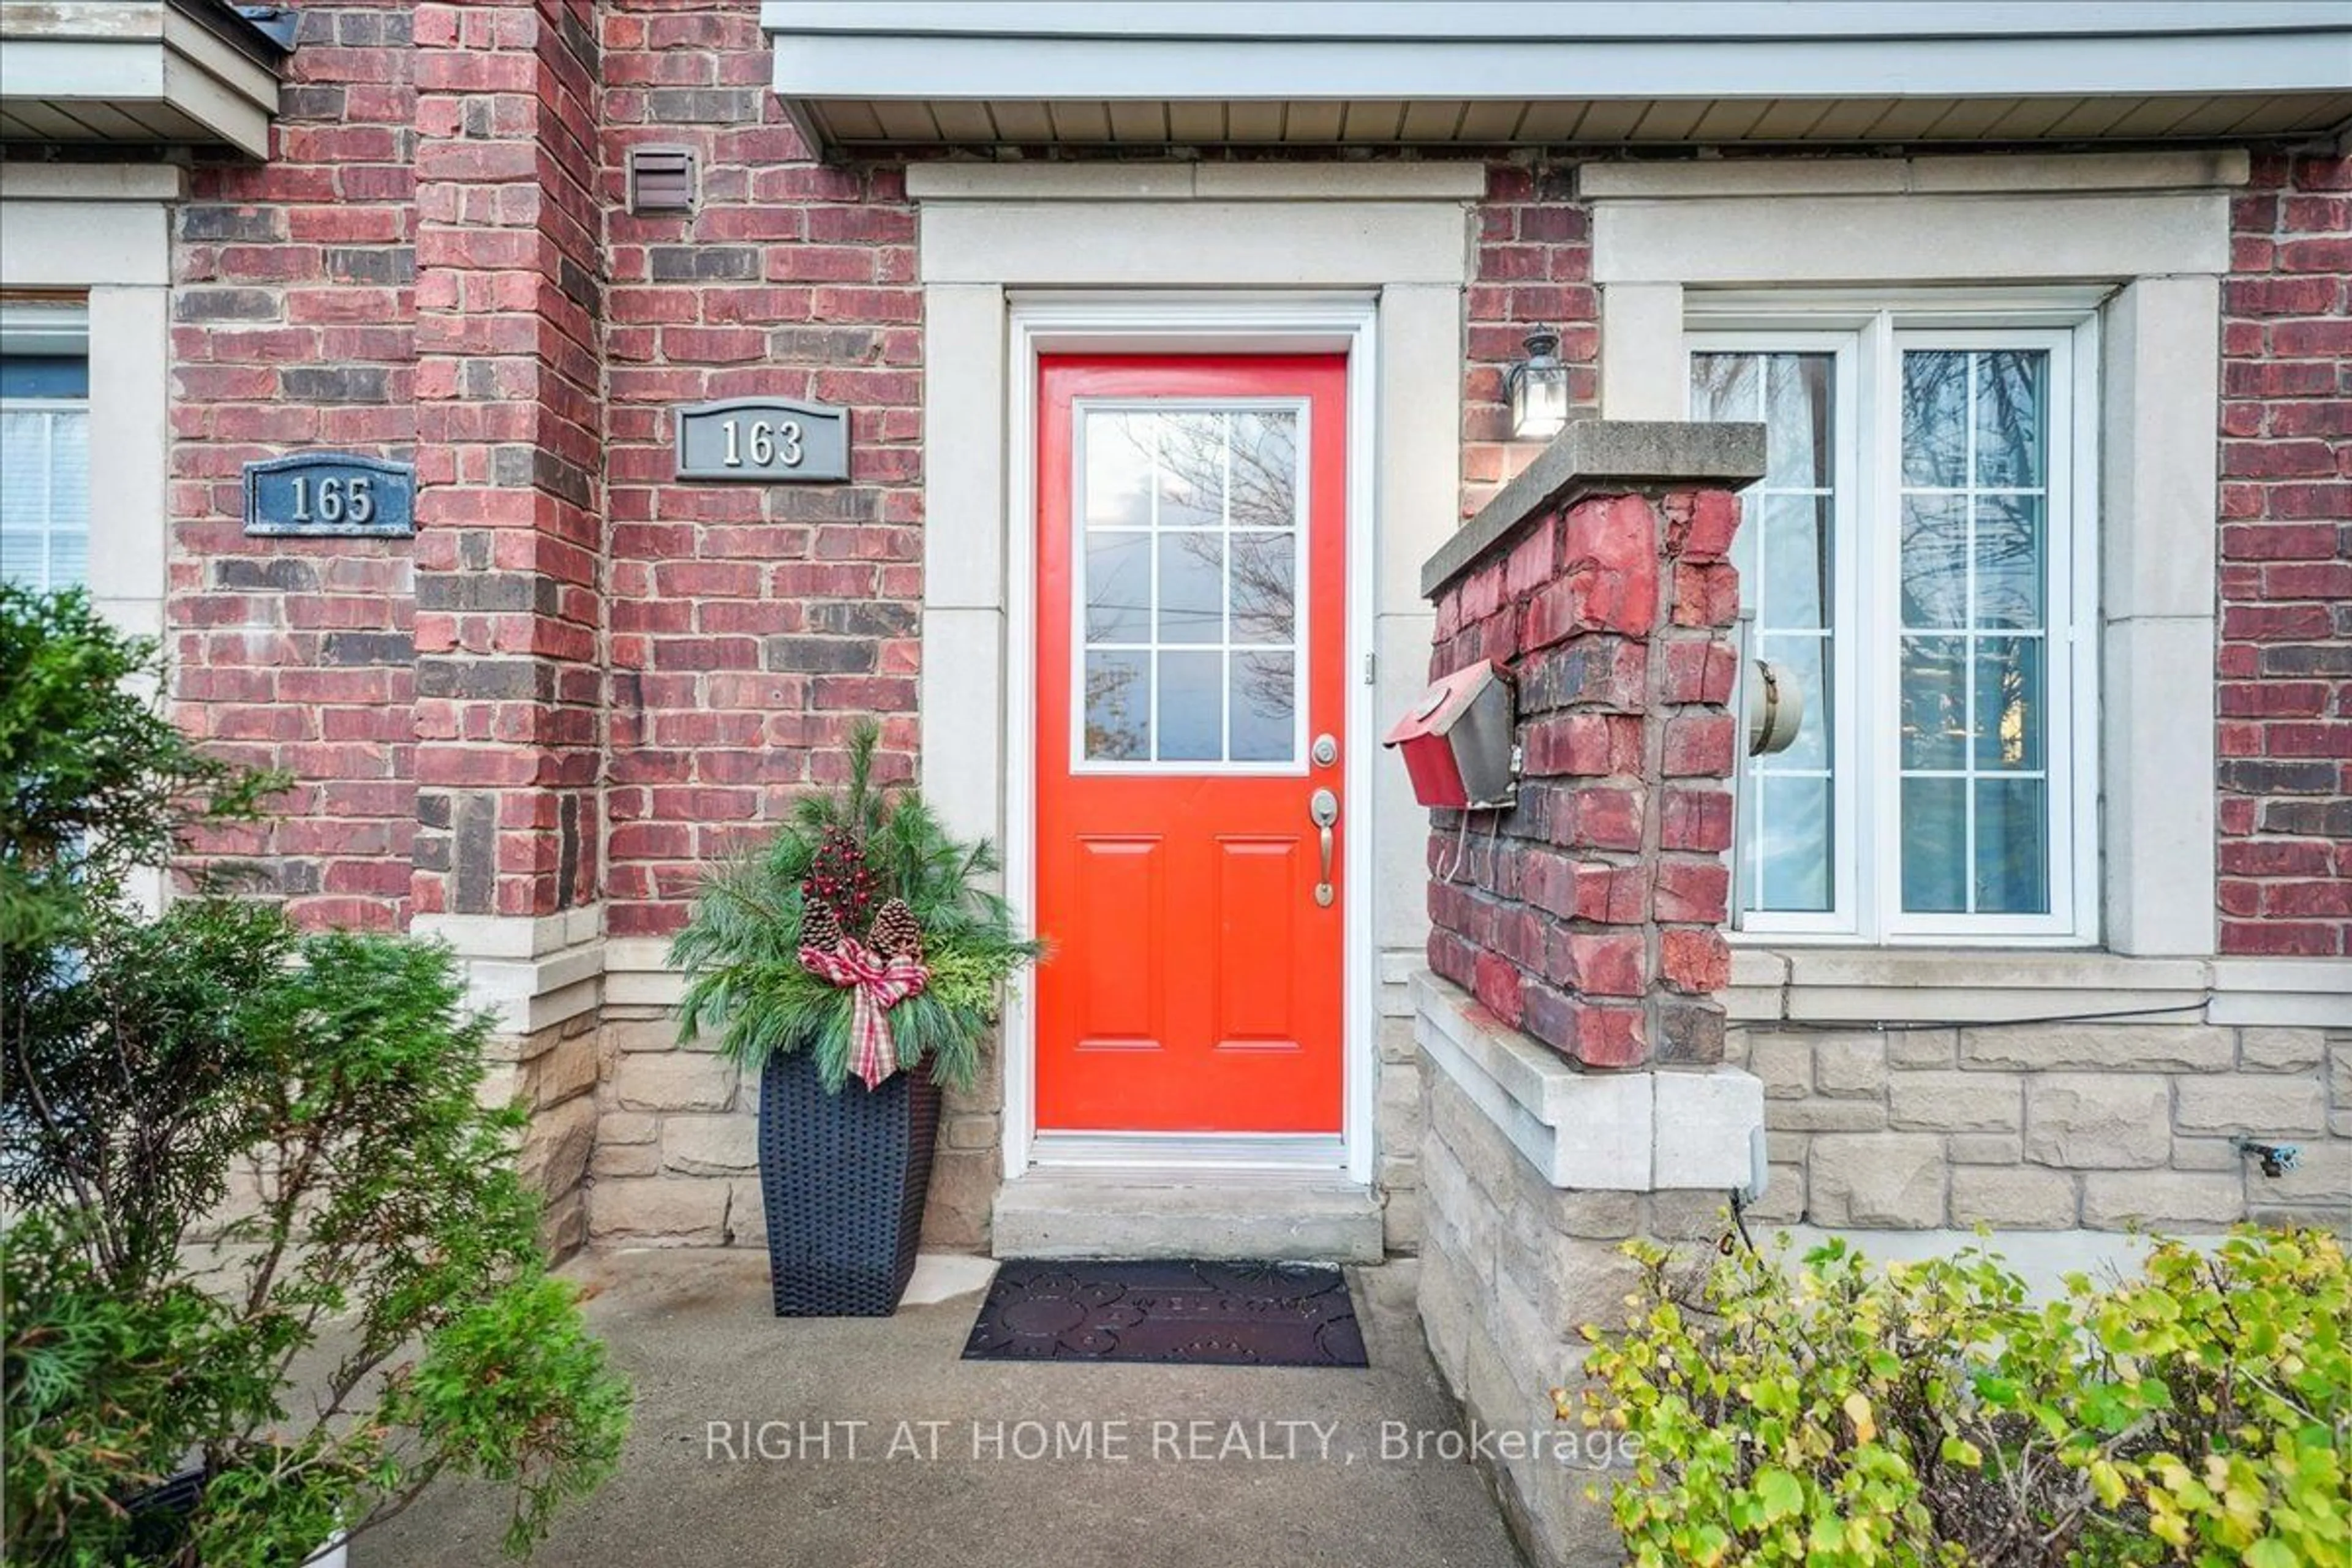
column 843, row 1177
column 161, row 1515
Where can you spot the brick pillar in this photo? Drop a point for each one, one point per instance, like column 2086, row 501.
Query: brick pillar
column 509, row 547
column 511, row 550
column 1571, row 1072
column 1590, row 916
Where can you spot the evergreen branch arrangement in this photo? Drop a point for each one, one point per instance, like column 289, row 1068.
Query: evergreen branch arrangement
column 839, row 863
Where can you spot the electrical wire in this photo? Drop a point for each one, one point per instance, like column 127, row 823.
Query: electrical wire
column 1910, row 1026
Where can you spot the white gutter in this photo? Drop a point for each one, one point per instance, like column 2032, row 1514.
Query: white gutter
column 1217, row 49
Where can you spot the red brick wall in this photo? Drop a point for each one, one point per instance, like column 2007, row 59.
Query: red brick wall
column 733, row 632
column 294, row 327
column 2285, row 807
column 510, row 545
column 1534, row 269
column 1588, row 913
column 730, row 633
column 751, row 624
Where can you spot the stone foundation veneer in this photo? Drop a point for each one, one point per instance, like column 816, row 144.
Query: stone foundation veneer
column 541, row 981
column 1571, row 1037
column 2091, row 1126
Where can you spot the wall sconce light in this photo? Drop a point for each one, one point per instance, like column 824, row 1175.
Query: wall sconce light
column 1538, row 390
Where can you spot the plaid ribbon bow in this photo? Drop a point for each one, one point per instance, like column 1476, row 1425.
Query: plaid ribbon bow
column 880, row 984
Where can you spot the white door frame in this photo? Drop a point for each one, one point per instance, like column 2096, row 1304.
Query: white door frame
column 1210, row 322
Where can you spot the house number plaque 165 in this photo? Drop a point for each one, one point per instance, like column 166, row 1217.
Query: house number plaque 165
column 763, row 440
column 330, row 494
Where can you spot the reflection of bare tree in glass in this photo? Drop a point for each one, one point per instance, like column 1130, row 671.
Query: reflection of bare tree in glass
column 1935, row 561
column 1936, row 419
column 2009, row 420
column 1118, row 590
column 1262, row 491
column 2013, row 676
column 1111, row 693
column 2008, row 563
column 1973, row 559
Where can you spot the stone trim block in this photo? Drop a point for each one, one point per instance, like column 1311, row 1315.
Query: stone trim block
column 1606, row 1131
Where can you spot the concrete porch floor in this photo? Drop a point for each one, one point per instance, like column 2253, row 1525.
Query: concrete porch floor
column 1190, row 1466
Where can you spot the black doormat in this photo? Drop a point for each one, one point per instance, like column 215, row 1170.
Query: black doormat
column 1214, row 1314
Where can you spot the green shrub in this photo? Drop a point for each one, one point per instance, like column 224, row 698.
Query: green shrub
column 314, row 1097
column 94, row 780
column 326, row 1088
column 1832, row 1412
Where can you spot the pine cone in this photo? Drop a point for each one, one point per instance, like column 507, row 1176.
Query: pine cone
column 842, row 877
column 895, row 931
column 820, row 928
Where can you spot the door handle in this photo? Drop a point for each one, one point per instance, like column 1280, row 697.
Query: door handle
column 1323, row 810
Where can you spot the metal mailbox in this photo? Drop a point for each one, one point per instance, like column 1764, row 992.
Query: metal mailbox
column 1459, row 741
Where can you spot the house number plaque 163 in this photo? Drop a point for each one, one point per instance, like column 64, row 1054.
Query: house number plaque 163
column 763, row 440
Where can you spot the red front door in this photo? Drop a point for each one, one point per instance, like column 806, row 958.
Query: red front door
column 1192, row 632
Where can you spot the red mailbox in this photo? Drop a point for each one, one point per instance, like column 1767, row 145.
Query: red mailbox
column 1457, row 740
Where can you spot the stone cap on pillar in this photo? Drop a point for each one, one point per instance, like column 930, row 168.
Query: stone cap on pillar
column 1601, row 456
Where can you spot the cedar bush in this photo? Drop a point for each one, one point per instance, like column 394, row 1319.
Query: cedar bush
column 1831, row 1413
column 257, row 1223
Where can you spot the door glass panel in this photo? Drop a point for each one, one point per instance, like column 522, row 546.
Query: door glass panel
column 1192, row 587
column 1265, row 588
column 1262, row 475
column 1975, row 571
column 1191, row 707
column 1189, row 589
column 1118, row 586
column 1118, row 704
column 1191, row 468
column 1789, row 831
column 1935, row 845
column 1935, row 703
column 1263, row 688
column 2009, row 423
column 1792, row 869
column 1797, row 421
column 2012, row 818
column 1118, row 471
column 1935, row 555
column 1935, row 420
column 1797, row 559
column 2007, row 552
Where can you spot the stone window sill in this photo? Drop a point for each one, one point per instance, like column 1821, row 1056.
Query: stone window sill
column 1800, row 985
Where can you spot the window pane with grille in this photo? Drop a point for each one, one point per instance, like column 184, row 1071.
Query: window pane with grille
column 1785, row 554
column 44, row 494
column 1189, row 583
column 1972, row 646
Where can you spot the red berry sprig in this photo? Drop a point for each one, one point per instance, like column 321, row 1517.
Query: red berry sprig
column 841, row 880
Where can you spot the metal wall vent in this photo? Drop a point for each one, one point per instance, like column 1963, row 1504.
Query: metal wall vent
column 661, row 179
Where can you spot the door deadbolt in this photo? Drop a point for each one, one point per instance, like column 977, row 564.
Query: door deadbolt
column 1326, row 750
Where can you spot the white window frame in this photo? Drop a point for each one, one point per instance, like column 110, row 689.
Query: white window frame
column 1871, row 335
